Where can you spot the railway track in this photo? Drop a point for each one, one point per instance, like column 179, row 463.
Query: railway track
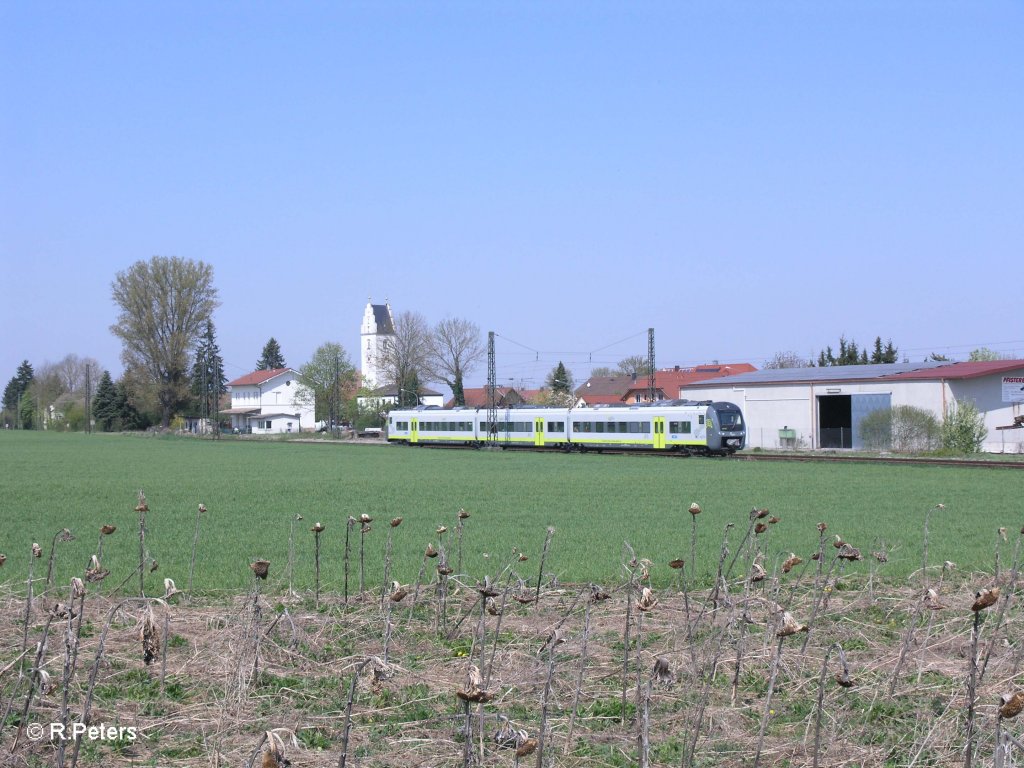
column 802, row 457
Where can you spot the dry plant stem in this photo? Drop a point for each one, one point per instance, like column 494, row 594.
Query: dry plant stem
column 693, row 548
column 821, row 697
column 543, row 557
column 348, row 532
column 924, row 550
column 316, row 569
column 347, row 731
column 291, row 556
column 740, row 641
column 689, row 629
column 713, row 594
column 36, row 667
column 625, row 645
column 705, row 695
column 94, row 673
column 72, row 639
column 579, row 679
column 497, row 628
column 192, row 562
column 467, row 736
column 1003, row 607
column 362, row 559
column 142, row 553
column 386, row 581
column 163, row 651
column 768, row 701
column 820, row 559
column 972, row 689
column 255, row 753
column 818, row 597
column 542, row 732
column 28, row 609
column 908, row 638
column 419, row 581
column 928, row 628
column 644, row 739
column 53, row 556
column 458, row 540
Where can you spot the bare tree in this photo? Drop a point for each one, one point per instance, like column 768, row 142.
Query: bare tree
column 634, row 365
column 71, row 370
column 456, row 347
column 788, row 360
column 405, row 361
column 163, row 305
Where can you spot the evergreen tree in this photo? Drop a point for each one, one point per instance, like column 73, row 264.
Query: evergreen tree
column 16, row 391
column 271, row 357
column 106, row 407
column 207, row 377
column 559, row 381
column 890, row 354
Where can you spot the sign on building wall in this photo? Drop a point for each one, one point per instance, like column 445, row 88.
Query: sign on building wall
column 1013, row 389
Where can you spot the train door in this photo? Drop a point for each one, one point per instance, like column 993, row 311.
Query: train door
column 538, row 431
column 414, row 430
column 659, row 433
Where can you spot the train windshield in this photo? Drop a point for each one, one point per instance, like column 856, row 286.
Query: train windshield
column 730, row 420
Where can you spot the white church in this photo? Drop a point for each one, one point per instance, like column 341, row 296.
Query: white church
column 376, row 332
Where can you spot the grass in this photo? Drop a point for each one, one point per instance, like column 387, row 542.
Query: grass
column 253, row 489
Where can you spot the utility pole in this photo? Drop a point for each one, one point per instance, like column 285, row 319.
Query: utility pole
column 88, row 398
column 651, row 389
column 492, row 388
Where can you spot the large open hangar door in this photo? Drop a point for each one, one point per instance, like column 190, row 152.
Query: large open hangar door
column 840, row 416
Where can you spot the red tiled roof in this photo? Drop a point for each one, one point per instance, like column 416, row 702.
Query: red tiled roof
column 670, row 380
column 257, row 377
column 970, row 370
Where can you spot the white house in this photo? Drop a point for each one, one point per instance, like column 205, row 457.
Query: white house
column 823, row 407
column 271, row 401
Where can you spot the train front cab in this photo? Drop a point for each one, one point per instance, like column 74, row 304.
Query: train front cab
column 727, row 432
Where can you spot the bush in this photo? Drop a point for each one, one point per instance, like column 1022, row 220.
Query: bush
column 963, row 429
column 903, row 428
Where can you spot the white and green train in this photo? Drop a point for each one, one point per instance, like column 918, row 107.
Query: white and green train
column 684, row 426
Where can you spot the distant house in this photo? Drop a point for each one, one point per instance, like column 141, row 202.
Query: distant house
column 604, row 390
column 269, row 402
column 504, row 397
column 669, row 382
column 388, row 395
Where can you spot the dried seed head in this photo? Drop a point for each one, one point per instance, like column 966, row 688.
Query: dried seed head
column 492, row 607
column 261, row 568
column 463, row 514
column 37, row 551
column 677, row 563
column 445, row 570
column 77, row 588
column 881, row 557
column 365, row 518
column 774, row 519
column 153, row 565
column 662, row 672
column 318, row 528
column 299, row 517
column 202, row 508
column 789, row 625
column 142, row 506
column 365, row 528
column 760, row 514
column 985, row 599
column 430, row 551
column 106, row 530
column 170, row 590
column 790, row 563
column 95, row 572
column 940, row 506
column 647, row 600
column 3, row 559
column 398, row 592
column 528, row 747
column 931, row 600
column 1011, row 705
column 395, row 522
column 1002, row 534
column 441, row 529
column 849, row 553
column 822, row 527
column 695, row 509
column 597, row 594
column 760, row 528
column 838, row 542
column 757, row 573
column 523, row 558
column 844, row 680
column 816, row 556
column 150, row 638
column 65, row 535
column 949, row 565
column 487, row 589
column 44, row 681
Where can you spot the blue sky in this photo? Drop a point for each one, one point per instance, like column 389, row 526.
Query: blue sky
column 745, row 178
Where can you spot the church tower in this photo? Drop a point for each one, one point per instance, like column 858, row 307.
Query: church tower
column 377, row 330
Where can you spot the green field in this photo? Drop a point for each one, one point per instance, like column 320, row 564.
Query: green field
column 253, row 490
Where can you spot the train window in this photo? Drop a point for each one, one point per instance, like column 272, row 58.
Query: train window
column 599, row 426
column 610, row 426
column 634, row 426
column 556, row 426
column 700, row 419
column 679, row 426
column 645, row 427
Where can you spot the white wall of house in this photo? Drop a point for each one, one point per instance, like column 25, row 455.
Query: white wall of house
column 281, row 405
column 769, row 408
